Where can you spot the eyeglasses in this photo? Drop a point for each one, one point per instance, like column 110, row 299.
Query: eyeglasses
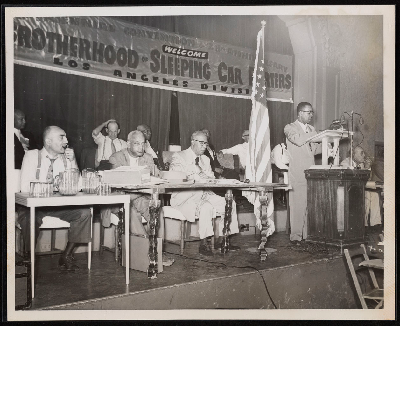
column 201, row 142
column 138, row 144
column 308, row 112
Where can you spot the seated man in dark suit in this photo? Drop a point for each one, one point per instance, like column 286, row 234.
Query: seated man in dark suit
column 133, row 156
column 23, row 140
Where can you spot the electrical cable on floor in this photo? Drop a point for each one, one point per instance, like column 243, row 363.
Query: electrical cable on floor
column 231, row 266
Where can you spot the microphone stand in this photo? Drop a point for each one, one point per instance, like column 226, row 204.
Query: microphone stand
column 351, row 133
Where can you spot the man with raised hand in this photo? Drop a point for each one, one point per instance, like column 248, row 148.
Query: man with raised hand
column 107, row 145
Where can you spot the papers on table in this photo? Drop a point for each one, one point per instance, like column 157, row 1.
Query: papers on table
column 220, row 181
column 128, row 168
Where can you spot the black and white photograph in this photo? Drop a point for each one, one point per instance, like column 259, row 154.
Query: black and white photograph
column 200, row 163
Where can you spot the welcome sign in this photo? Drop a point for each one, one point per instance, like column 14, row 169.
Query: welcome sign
column 105, row 48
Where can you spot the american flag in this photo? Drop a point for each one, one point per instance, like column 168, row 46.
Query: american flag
column 258, row 162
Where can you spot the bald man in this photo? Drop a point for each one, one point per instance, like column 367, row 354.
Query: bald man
column 43, row 166
column 23, row 140
column 107, row 145
column 133, row 156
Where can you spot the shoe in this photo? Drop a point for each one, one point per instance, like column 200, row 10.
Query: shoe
column 68, row 263
column 205, row 250
column 167, row 261
column 218, row 245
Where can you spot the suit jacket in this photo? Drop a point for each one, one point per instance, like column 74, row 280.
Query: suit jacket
column 19, row 151
column 301, row 155
column 187, row 201
column 121, row 159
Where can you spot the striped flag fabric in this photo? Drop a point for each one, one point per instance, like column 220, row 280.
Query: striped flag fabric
column 258, row 162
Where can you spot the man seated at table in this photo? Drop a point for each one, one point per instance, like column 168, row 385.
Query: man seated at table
column 201, row 204
column 43, row 166
column 133, row 156
column 372, row 206
column 107, row 145
column 146, row 130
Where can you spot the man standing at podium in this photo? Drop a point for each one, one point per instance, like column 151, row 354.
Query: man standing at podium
column 301, row 158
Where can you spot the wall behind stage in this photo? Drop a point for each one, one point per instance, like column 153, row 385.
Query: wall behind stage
column 359, row 42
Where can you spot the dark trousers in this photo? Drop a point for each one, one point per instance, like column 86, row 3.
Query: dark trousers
column 79, row 219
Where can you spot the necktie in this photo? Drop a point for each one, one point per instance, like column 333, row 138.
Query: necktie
column 196, row 161
column 49, row 177
column 113, row 149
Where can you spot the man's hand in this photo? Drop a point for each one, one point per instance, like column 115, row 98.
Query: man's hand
column 96, row 131
column 69, row 154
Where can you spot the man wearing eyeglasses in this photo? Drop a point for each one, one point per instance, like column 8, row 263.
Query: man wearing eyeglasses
column 301, row 158
column 201, row 204
column 133, row 156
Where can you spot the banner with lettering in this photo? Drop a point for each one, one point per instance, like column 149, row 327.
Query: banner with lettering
column 106, row 48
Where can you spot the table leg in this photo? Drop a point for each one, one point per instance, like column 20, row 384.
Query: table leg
column 264, row 200
column 154, row 209
column 227, row 221
column 32, row 214
column 127, row 206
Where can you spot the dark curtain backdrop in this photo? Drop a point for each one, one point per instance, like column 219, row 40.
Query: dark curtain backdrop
column 78, row 104
column 226, row 118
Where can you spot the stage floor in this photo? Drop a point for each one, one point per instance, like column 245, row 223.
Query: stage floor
column 302, row 270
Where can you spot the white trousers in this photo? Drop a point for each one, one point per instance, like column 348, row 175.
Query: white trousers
column 215, row 205
column 372, row 208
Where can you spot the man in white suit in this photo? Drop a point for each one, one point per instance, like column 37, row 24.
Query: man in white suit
column 301, row 158
column 201, row 204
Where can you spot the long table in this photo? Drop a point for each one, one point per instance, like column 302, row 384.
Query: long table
column 80, row 199
column 158, row 189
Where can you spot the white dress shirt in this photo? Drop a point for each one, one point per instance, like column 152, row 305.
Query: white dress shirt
column 30, row 164
column 104, row 149
column 133, row 161
column 240, row 150
column 22, row 139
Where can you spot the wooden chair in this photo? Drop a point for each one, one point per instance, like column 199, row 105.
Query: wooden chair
column 173, row 213
column 114, row 221
column 376, row 293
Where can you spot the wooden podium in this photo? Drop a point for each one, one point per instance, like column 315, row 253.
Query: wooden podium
column 335, row 197
column 336, row 205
